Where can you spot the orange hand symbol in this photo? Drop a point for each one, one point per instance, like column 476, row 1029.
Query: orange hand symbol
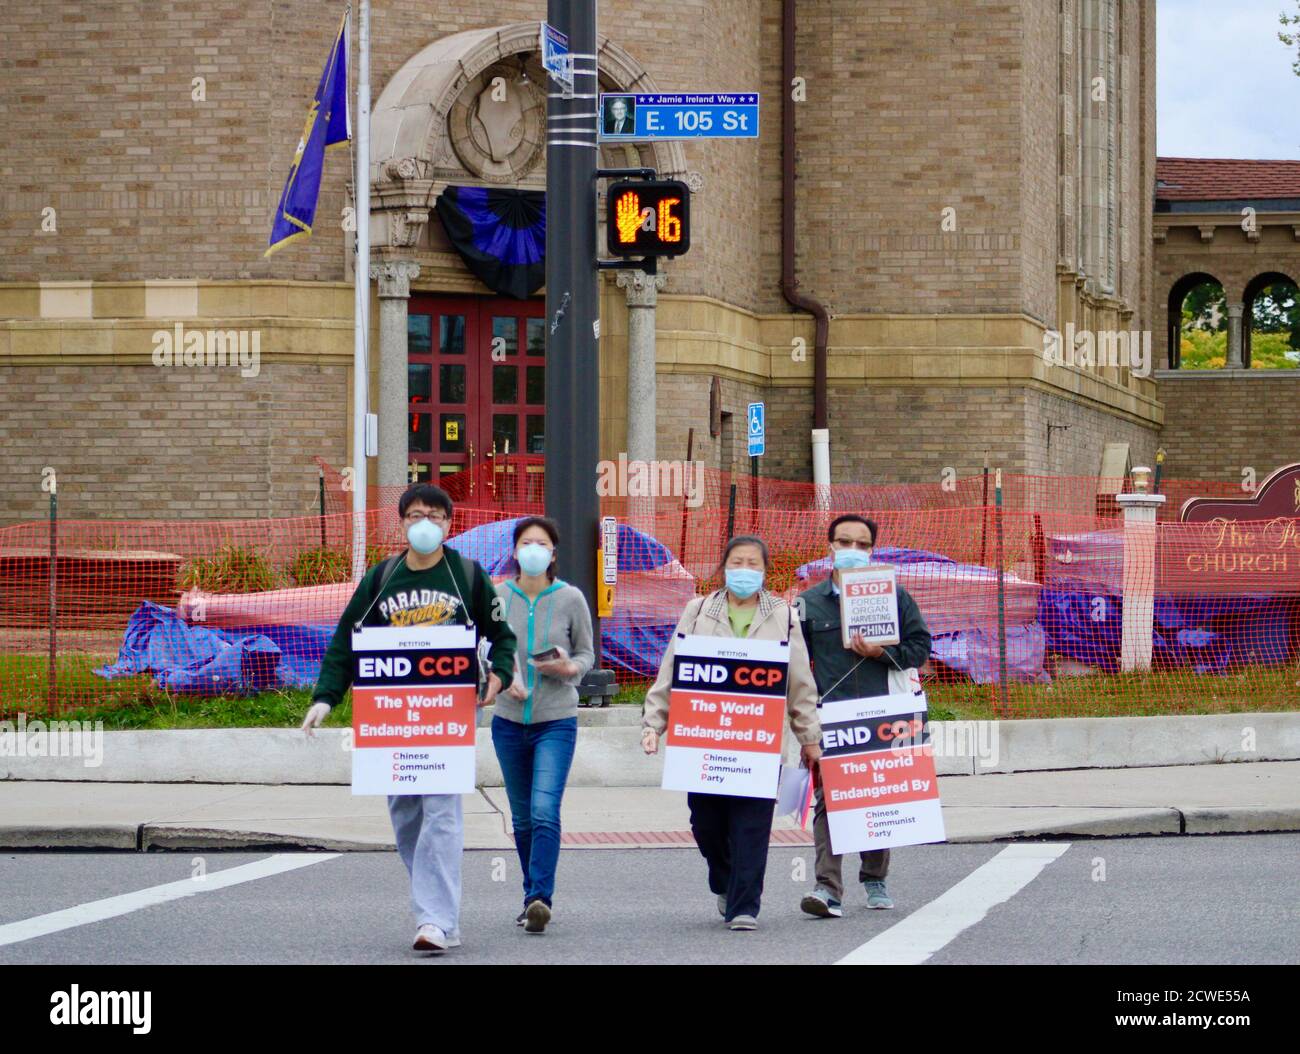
column 627, row 216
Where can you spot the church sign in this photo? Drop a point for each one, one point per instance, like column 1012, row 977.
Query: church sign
column 1236, row 545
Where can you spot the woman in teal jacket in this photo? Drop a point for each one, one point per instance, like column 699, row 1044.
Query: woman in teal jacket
column 535, row 724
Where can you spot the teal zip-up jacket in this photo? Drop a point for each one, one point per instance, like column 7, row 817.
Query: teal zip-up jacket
column 558, row 617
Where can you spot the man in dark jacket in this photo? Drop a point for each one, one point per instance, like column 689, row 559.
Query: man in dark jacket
column 852, row 673
column 428, row 584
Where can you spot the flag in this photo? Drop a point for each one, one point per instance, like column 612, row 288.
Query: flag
column 328, row 125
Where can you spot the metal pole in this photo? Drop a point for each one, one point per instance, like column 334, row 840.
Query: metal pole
column 984, row 512
column 699, row 483
column 572, row 308
column 53, row 678
column 320, row 482
column 361, row 310
column 753, row 494
column 1002, row 598
column 731, row 515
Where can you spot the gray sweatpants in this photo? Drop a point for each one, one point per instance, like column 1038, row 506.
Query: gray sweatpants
column 430, row 833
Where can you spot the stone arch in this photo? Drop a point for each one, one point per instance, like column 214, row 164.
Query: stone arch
column 1248, row 297
column 412, row 153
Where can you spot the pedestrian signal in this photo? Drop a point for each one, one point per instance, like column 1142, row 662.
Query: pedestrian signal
column 648, row 218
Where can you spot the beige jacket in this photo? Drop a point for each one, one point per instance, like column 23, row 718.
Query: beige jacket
column 707, row 616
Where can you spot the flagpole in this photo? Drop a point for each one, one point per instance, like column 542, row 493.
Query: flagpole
column 361, row 277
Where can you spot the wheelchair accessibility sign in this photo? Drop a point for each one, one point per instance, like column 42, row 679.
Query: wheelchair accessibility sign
column 757, row 430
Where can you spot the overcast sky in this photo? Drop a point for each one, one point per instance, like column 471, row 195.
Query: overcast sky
column 1224, row 84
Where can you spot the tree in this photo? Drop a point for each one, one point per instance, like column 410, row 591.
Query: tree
column 1205, row 307
column 1290, row 34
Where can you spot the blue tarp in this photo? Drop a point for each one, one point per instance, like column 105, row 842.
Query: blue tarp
column 199, row 660
column 489, row 544
column 202, row 661
column 1210, row 634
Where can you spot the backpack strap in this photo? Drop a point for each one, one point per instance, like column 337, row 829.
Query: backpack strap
column 383, row 572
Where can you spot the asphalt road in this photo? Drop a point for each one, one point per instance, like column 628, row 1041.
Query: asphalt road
column 1216, row 900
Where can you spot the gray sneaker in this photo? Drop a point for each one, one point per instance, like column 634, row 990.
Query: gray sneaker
column 536, row 916
column 744, row 922
column 822, row 903
column 722, row 904
column 876, row 895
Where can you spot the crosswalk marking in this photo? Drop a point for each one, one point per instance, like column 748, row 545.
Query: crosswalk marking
column 928, row 929
column 111, row 907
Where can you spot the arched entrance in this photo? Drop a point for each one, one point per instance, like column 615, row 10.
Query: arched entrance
column 461, row 370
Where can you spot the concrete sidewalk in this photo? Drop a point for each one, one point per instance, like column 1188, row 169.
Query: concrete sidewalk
column 1193, row 799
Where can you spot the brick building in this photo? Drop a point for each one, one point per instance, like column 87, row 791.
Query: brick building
column 970, row 179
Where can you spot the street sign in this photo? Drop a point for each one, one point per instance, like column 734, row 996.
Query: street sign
column 556, row 59
column 757, row 429
column 683, row 115
column 648, row 217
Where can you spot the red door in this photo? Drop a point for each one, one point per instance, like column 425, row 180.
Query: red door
column 477, row 390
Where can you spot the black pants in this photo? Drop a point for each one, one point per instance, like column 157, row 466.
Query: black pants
column 733, row 834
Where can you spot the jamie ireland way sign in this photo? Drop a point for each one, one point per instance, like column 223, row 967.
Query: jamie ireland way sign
column 683, row 115
column 414, row 693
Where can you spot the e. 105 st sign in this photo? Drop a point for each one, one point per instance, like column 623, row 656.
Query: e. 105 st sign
column 648, row 217
column 679, row 115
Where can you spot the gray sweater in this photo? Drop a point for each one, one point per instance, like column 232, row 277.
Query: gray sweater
column 558, row 617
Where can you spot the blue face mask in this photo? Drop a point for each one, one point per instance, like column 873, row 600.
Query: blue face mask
column 851, row 559
column 424, row 536
column 533, row 559
column 743, row 581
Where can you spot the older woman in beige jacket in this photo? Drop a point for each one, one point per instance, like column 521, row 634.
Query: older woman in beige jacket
column 733, row 832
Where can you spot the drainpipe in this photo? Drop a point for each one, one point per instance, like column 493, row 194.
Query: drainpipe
column 821, row 435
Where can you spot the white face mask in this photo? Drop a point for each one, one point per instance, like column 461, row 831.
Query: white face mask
column 533, row 559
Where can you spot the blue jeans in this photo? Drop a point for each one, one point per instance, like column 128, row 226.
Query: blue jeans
column 535, row 762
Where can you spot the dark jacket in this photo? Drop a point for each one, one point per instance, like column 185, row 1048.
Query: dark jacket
column 820, row 610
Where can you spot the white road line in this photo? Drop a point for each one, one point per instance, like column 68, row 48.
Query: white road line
column 110, row 907
column 928, row 929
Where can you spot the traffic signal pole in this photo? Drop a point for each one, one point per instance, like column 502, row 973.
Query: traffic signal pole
column 572, row 306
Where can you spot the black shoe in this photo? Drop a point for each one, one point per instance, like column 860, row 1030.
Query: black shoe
column 521, row 917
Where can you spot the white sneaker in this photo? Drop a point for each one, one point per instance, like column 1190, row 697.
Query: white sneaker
column 431, row 939
column 722, row 904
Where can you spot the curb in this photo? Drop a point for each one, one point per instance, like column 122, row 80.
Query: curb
column 1132, row 823
column 609, row 754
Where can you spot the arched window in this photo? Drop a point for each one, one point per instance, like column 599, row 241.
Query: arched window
column 1198, row 323
column 1271, row 337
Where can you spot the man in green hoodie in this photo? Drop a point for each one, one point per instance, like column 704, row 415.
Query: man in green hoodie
column 429, row 584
